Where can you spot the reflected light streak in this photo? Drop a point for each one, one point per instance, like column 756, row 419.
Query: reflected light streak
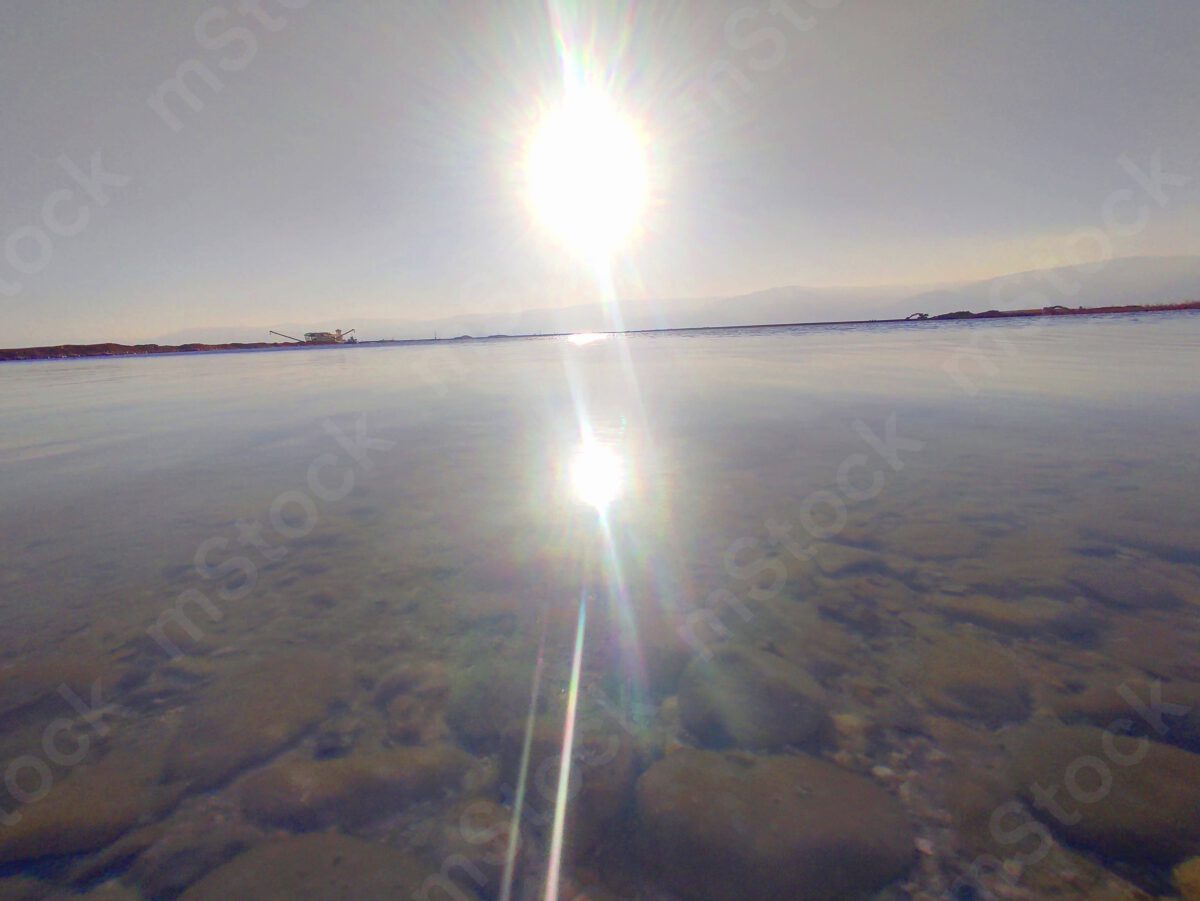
column 564, row 766
column 587, row 179
column 510, row 857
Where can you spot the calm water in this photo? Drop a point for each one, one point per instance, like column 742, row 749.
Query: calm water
column 858, row 604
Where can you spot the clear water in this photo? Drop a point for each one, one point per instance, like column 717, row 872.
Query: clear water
column 950, row 530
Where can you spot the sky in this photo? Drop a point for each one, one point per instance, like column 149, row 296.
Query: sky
column 327, row 162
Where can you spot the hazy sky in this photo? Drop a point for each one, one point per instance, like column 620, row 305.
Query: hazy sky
column 359, row 158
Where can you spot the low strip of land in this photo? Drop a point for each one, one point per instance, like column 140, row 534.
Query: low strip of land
column 75, row 351
column 108, row 349
column 1061, row 311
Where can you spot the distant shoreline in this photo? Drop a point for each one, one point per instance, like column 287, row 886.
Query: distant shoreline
column 109, row 349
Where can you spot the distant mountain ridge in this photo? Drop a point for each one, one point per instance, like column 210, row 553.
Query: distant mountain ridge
column 1134, row 280
column 1130, row 280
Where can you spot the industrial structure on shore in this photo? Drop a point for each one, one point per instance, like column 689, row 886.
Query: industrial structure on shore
column 337, row 336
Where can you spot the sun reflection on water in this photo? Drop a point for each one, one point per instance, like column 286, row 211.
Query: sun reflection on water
column 597, row 474
column 584, row 338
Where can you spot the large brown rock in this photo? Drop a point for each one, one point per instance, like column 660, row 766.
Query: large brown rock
column 322, row 867
column 1128, row 798
column 738, row 827
column 752, row 699
column 301, row 793
column 252, row 715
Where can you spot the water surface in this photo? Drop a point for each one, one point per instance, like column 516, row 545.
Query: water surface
column 267, row 608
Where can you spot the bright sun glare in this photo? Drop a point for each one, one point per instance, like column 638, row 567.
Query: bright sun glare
column 585, row 338
column 596, row 475
column 586, row 174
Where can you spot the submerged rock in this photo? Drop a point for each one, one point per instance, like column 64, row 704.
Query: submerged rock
column 933, row 540
column 1167, row 533
column 90, row 808
column 798, row 633
column 645, row 648
column 1163, row 646
column 1187, row 879
column 751, row 699
column 1128, row 798
column 472, row 839
column 112, row 890
column 486, row 696
column 840, row 560
column 37, row 682
column 337, row 736
column 22, row 888
column 323, row 867
column 967, row 677
column 1027, row 617
column 252, row 715
column 1164, row 711
column 603, row 771
column 414, row 697
column 972, row 796
column 1127, row 584
column 851, row 609
column 181, row 857
column 744, row 828
column 117, row 856
column 300, row 793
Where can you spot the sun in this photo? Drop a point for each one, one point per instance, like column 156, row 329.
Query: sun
column 586, row 174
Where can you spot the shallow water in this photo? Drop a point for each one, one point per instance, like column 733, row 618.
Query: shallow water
column 261, row 594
